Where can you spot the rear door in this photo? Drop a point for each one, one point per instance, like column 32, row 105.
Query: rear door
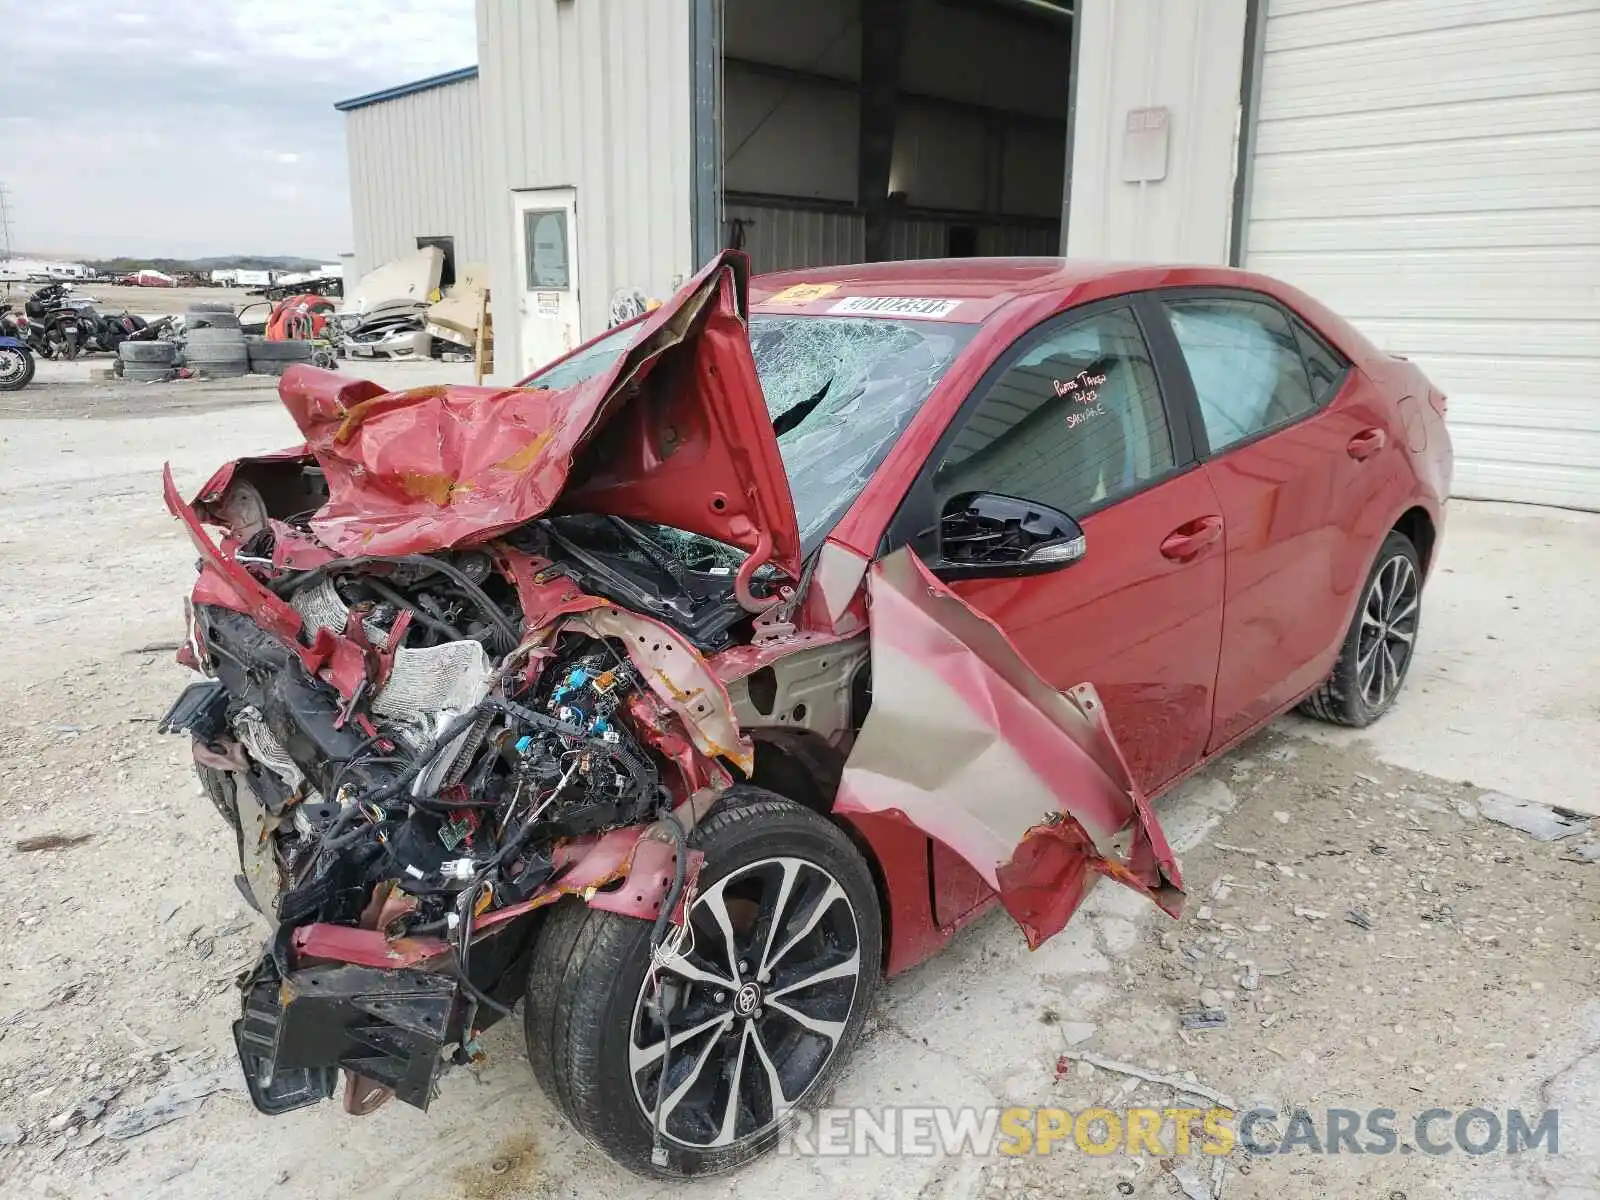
column 1072, row 416
column 1298, row 450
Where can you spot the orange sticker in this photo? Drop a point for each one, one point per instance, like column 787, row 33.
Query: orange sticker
column 802, row 293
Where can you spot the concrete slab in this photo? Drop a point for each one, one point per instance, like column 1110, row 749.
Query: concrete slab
column 1506, row 687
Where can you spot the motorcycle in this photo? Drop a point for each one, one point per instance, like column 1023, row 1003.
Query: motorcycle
column 74, row 326
column 25, row 329
column 16, row 364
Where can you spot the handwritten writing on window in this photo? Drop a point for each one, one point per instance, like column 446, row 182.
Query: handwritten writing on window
column 1082, row 389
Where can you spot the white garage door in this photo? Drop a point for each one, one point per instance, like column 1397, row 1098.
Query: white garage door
column 1431, row 169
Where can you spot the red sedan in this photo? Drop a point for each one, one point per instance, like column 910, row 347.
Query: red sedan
column 738, row 658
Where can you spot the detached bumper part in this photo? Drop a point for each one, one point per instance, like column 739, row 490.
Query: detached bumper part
column 297, row 1031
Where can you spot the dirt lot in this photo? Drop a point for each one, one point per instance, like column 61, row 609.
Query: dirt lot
column 145, row 301
column 1361, row 937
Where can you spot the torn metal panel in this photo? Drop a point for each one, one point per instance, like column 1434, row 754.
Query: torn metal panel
column 967, row 743
column 836, row 598
column 675, row 431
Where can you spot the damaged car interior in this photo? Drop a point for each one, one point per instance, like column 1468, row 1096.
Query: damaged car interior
column 589, row 696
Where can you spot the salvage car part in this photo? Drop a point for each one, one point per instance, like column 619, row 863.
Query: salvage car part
column 219, row 353
column 210, row 317
column 274, row 357
column 146, row 362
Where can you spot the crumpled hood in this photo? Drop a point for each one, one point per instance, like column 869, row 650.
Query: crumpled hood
column 676, row 432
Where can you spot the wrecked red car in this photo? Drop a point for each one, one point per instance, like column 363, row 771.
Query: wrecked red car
column 731, row 663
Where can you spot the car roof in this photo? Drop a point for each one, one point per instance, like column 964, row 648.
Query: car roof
column 979, row 286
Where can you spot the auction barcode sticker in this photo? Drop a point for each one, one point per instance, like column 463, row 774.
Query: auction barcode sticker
column 925, row 307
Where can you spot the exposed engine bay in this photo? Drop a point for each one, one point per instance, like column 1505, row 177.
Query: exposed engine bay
column 480, row 756
column 442, row 791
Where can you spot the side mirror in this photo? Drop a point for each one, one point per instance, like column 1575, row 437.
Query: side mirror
column 984, row 533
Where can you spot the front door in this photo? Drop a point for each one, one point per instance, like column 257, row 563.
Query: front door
column 547, row 227
column 1072, row 417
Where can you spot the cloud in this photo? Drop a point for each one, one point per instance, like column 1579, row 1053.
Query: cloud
column 193, row 127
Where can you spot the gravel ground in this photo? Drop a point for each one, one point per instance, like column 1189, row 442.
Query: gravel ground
column 146, row 302
column 1357, row 934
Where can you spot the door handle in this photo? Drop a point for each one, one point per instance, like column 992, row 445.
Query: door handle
column 1186, row 541
column 1367, row 443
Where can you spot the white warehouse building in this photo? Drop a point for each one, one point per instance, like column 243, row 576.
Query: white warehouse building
column 1430, row 168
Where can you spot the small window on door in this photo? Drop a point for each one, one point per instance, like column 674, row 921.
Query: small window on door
column 1075, row 422
column 545, row 236
column 1245, row 363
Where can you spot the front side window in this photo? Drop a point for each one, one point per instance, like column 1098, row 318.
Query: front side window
column 1245, row 363
column 1074, row 423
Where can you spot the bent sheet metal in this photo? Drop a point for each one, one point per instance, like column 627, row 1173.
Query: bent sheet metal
column 967, row 743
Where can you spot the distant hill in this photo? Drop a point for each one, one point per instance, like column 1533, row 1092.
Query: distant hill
column 202, row 266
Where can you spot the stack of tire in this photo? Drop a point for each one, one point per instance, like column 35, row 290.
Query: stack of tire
column 147, row 362
column 213, row 344
column 274, row 358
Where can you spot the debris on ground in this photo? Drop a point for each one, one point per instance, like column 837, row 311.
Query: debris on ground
column 1187, row 1087
column 52, row 841
column 1536, row 820
column 1202, row 1018
column 171, row 1103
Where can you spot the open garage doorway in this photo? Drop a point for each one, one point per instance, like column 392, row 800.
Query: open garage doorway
column 863, row 130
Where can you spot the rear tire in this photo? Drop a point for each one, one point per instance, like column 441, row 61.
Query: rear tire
column 592, row 1034
column 1379, row 646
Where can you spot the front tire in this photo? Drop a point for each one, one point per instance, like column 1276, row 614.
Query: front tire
column 1377, row 651
column 16, row 369
column 777, row 972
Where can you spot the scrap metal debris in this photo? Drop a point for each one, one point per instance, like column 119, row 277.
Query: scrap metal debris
column 1538, row 821
column 1186, row 1087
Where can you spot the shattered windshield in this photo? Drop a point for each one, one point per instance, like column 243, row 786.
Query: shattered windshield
column 840, row 390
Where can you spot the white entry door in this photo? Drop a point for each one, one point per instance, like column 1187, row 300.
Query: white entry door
column 547, row 226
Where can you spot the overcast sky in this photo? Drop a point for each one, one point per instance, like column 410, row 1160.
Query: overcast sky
column 184, row 128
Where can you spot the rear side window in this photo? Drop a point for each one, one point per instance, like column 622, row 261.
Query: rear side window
column 1244, row 359
column 1075, row 422
column 1324, row 368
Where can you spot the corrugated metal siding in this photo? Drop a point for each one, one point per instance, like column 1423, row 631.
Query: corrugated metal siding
column 595, row 97
column 416, row 170
column 1185, row 55
column 778, row 237
column 1431, row 169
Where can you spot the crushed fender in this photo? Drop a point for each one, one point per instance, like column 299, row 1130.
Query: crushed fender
column 967, row 743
